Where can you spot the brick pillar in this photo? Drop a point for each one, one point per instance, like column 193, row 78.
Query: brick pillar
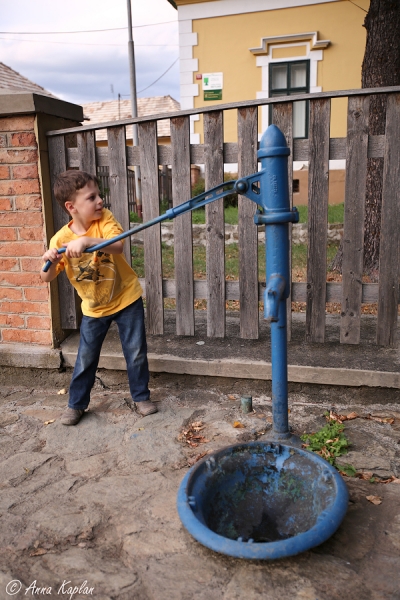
column 25, row 309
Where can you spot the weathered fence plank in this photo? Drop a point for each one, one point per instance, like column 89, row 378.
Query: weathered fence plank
column 354, row 210
column 87, row 151
column 337, row 151
column 389, row 242
column 282, row 117
column 119, row 181
column 299, row 291
column 215, row 244
column 183, row 243
column 152, row 236
column 69, row 318
column 248, row 240
column 318, row 192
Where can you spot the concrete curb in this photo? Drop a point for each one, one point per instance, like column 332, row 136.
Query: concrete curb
column 29, row 356
column 246, row 369
column 24, row 356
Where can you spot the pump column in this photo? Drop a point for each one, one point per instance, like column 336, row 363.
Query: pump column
column 276, row 214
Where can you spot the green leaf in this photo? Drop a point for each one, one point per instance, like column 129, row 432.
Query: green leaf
column 348, row 470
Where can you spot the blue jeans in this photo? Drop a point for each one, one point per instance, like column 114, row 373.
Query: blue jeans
column 130, row 322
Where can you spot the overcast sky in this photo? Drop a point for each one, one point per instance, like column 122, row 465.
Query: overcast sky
column 86, row 67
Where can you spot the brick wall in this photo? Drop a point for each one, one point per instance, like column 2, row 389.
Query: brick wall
column 24, row 306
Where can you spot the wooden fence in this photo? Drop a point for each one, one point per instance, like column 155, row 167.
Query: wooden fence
column 164, row 184
column 318, row 149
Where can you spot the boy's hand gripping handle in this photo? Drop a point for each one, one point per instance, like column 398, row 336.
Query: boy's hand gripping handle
column 49, row 263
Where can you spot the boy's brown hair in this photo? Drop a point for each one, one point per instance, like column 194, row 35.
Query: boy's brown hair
column 68, row 183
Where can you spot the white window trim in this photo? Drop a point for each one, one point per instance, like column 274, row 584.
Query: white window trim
column 187, row 67
column 265, row 60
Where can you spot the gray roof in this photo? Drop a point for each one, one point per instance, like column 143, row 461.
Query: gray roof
column 114, row 110
column 13, row 81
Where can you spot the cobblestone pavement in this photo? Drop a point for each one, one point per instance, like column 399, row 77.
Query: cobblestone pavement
column 90, row 511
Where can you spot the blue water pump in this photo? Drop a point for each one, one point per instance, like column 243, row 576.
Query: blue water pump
column 266, row 499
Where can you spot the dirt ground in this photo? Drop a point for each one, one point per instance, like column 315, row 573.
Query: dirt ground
column 90, row 511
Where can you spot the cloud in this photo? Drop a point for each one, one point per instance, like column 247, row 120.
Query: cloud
column 84, row 73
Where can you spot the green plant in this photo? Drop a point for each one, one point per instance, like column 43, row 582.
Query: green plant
column 103, row 191
column 335, row 213
column 198, row 187
column 134, row 217
column 349, row 470
column 230, row 200
column 164, row 206
column 303, row 213
column 199, row 216
column 329, row 442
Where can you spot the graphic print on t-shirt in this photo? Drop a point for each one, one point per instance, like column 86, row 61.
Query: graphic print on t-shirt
column 100, row 270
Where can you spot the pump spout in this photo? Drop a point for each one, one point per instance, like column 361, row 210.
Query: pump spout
column 272, row 296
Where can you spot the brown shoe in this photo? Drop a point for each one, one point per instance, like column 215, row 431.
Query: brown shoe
column 146, row 407
column 71, row 416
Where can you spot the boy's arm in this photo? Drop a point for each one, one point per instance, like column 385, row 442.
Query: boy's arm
column 53, row 256
column 75, row 248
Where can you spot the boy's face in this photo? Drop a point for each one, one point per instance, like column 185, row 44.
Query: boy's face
column 86, row 205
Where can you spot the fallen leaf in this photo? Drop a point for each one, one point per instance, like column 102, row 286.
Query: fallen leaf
column 395, row 480
column 62, row 392
column 374, row 499
column 191, row 434
column 38, row 552
column 232, row 397
column 200, row 439
column 238, row 425
column 197, row 426
column 194, row 459
column 381, row 419
column 367, row 475
column 48, row 422
column 352, row 415
column 335, row 417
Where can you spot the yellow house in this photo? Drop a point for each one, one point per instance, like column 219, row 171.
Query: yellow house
column 263, row 48
column 231, row 50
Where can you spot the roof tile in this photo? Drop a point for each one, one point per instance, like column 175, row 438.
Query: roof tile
column 13, row 81
column 115, row 110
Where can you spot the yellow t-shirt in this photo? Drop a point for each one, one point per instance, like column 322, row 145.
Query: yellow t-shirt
column 105, row 282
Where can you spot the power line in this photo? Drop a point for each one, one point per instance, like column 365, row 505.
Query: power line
column 360, row 7
column 158, row 79
column 85, row 44
column 83, row 31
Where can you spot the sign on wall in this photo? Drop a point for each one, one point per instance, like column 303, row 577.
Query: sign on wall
column 212, row 86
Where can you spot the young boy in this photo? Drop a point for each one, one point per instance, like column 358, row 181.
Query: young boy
column 109, row 289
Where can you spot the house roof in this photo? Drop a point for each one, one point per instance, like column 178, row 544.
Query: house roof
column 13, row 81
column 114, row 110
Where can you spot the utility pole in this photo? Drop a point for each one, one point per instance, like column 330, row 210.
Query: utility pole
column 135, row 141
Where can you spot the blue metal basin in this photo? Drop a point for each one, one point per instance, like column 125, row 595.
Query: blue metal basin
column 262, row 501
